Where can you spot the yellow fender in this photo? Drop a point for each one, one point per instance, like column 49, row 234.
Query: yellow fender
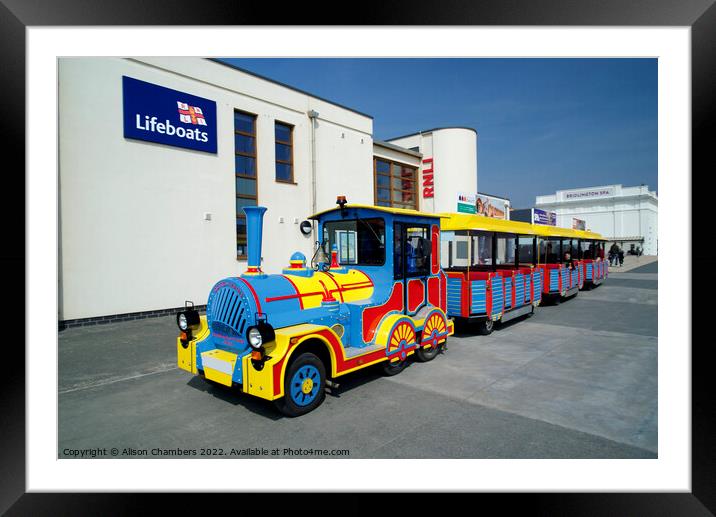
column 186, row 354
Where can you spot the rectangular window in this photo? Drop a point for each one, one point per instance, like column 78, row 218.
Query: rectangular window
column 245, row 172
column 411, row 250
column 346, row 246
column 566, row 249
column 482, row 249
column 551, row 250
column 525, row 250
column 505, row 252
column 417, row 251
column 361, row 242
column 395, row 184
column 284, row 152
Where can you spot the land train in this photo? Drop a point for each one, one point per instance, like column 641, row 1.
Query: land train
column 383, row 284
column 286, row 337
column 499, row 270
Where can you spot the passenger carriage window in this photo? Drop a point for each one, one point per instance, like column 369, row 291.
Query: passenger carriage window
column 541, row 250
column 525, row 250
column 552, row 250
column 505, row 250
column 360, row 242
column 454, row 249
column 566, row 248
column 482, row 249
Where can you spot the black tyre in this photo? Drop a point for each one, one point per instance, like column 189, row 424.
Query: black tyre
column 304, row 386
column 394, row 368
column 428, row 354
column 486, row 327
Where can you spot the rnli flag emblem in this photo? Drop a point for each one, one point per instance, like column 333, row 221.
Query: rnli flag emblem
column 191, row 114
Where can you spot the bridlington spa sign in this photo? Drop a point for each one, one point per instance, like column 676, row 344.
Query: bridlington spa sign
column 157, row 114
column 590, row 193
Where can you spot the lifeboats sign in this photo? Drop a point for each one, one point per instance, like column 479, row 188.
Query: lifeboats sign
column 157, row 114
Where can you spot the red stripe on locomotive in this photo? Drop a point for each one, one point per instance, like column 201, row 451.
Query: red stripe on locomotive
column 373, row 315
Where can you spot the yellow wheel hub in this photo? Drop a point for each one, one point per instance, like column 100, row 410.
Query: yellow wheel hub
column 307, row 385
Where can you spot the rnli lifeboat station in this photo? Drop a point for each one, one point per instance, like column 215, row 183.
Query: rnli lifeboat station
column 159, row 156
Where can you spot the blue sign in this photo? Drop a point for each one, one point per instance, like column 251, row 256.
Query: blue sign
column 170, row 117
column 540, row 216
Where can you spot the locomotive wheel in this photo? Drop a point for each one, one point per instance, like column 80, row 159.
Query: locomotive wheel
column 428, row 354
column 486, row 327
column 304, row 386
column 394, row 368
column 435, row 327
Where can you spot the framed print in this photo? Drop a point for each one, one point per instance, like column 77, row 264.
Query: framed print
column 203, row 214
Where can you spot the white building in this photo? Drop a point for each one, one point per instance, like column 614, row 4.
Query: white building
column 450, row 159
column 625, row 215
column 157, row 157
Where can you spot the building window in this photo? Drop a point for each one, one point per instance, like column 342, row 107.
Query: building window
column 245, row 171
column 284, row 152
column 395, row 184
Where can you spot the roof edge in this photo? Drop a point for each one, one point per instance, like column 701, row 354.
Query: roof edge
column 279, row 83
column 388, row 145
column 424, row 131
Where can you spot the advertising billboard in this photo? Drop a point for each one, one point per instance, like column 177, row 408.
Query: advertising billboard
column 540, row 216
column 482, row 204
column 466, row 203
column 578, row 224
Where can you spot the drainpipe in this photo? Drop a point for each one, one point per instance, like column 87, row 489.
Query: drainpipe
column 313, row 115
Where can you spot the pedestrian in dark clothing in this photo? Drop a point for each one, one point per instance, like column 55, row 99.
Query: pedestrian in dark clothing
column 620, row 254
column 613, row 254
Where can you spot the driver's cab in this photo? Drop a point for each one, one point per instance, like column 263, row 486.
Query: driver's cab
column 397, row 248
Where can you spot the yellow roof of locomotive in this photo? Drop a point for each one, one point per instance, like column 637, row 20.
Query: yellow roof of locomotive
column 388, row 209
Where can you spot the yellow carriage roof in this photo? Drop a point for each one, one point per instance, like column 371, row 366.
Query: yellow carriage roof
column 456, row 222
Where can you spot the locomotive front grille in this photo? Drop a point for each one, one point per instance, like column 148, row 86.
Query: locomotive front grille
column 229, row 312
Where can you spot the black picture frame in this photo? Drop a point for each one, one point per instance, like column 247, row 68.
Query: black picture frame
column 17, row 15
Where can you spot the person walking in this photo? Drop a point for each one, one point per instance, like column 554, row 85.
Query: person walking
column 613, row 254
column 620, row 254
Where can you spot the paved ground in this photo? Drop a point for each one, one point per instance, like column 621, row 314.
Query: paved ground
column 633, row 262
column 577, row 380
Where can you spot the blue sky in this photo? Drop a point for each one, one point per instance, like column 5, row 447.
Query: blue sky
column 543, row 124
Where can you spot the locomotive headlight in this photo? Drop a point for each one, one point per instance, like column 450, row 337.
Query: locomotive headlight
column 255, row 338
column 182, row 322
column 189, row 317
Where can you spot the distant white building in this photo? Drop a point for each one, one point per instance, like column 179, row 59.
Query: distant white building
column 625, row 215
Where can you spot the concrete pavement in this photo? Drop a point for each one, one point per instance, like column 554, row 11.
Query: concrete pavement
column 577, row 380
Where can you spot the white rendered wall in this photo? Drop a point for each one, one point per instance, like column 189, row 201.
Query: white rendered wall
column 132, row 230
column 454, row 154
